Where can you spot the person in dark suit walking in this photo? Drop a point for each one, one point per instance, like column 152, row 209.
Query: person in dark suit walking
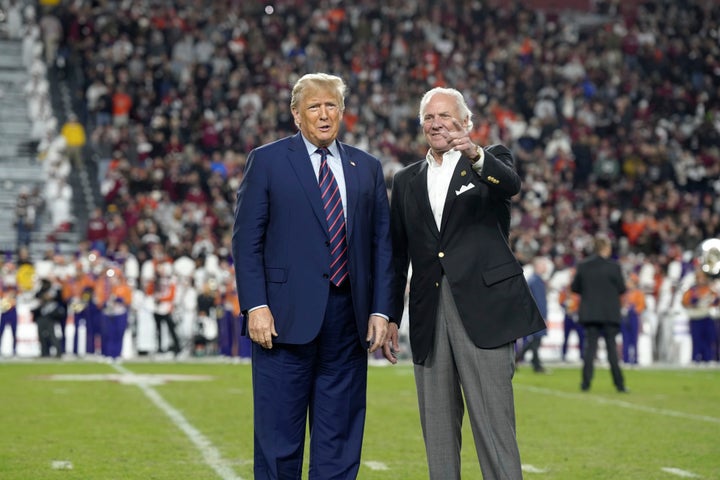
column 600, row 283
column 312, row 255
column 538, row 288
column 469, row 300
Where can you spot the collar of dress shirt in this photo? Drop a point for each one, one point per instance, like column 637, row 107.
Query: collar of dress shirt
column 451, row 156
column 333, row 148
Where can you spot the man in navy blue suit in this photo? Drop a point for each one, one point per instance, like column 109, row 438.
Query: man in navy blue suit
column 312, row 251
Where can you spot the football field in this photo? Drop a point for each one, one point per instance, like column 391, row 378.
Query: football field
column 193, row 420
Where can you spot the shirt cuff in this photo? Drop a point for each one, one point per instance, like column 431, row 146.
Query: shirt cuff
column 478, row 164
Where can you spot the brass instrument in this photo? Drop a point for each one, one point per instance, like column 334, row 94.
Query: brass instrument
column 708, row 253
column 6, row 304
column 78, row 306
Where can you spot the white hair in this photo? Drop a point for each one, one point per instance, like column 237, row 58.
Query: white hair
column 459, row 99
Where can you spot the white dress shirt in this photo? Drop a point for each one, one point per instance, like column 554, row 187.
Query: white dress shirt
column 439, row 176
column 335, row 164
column 438, row 181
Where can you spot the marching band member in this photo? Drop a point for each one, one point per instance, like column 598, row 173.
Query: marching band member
column 570, row 303
column 8, row 302
column 94, row 264
column 164, row 294
column 230, row 339
column 113, row 296
column 633, row 306
column 700, row 300
column 208, row 306
column 77, row 291
column 144, row 307
column 49, row 311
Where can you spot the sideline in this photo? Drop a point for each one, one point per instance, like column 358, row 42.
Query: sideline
column 210, row 454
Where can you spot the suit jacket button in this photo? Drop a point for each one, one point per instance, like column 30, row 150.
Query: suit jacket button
column 441, row 254
column 437, row 284
column 326, row 276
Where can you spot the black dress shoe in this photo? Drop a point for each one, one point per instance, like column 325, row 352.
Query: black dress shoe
column 585, row 388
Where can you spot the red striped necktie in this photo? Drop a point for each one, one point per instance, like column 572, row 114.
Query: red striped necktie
column 332, row 202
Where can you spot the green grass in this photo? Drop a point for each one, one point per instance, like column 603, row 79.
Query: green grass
column 114, row 430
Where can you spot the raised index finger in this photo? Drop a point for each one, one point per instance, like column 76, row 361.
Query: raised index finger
column 457, row 124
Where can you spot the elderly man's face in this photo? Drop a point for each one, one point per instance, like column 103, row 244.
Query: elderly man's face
column 318, row 116
column 441, row 116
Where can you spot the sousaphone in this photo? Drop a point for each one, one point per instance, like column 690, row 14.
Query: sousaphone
column 708, row 254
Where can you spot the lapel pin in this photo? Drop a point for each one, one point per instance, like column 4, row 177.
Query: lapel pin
column 463, row 173
column 352, row 163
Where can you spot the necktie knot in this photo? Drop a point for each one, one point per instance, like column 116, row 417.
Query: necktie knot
column 324, row 152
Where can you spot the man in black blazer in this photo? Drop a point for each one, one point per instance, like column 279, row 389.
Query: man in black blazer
column 600, row 282
column 469, row 301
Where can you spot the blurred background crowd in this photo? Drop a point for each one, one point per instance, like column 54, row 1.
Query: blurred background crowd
column 610, row 107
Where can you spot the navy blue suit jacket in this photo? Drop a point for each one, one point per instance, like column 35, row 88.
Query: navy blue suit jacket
column 280, row 243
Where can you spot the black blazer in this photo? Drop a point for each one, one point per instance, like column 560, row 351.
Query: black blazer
column 600, row 283
column 471, row 250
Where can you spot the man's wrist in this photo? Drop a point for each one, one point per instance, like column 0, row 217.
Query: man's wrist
column 478, row 153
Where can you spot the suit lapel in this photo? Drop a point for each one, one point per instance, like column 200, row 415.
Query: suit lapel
column 418, row 186
column 350, row 172
column 302, row 166
column 461, row 176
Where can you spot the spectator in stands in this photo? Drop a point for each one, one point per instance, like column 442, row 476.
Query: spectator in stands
column 97, row 232
column 666, row 117
column 74, row 133
column 600, row 283
column 24, row 217
column 52, row 34
column 58, row 196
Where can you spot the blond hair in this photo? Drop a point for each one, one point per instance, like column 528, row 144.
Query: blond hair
column 318, row 81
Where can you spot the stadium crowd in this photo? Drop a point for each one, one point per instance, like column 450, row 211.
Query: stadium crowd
column 613, row 118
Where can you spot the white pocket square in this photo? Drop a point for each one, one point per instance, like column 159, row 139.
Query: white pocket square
column 464, row 188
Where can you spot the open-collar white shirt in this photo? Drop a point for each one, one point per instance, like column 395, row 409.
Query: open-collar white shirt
column 438, row 181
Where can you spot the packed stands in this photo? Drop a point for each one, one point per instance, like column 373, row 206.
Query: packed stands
column 611, row 111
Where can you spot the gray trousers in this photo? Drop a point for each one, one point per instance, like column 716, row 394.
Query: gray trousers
column 457, row 369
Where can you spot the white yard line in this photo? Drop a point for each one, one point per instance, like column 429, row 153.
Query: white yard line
column 532, row 469
column 373, row 465
column 679, row 473
column 210, row 454
column 621, row 403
